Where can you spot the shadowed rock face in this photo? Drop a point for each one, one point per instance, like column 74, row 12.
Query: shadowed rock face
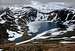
column 3, row 33
column 5, row 25
column 62, row 14
column 8, row 21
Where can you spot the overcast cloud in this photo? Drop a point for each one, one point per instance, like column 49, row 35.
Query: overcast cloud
column 9, row 2
column 26, row 1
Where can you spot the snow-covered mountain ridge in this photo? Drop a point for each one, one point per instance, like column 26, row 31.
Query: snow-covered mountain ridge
column 38, row 20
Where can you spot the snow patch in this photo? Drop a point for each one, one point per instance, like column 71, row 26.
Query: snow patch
column 13, row 35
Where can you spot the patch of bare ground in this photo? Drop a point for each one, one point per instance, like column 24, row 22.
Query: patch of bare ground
column 39, row 47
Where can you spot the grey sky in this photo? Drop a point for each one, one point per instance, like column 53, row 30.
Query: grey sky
column 9, row 2
column 24, row 1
